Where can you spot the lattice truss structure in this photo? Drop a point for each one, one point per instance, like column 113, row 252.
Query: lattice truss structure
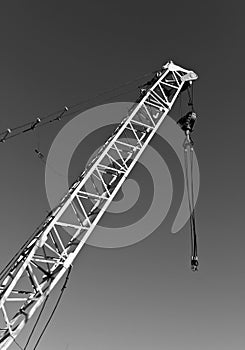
column 43, row 260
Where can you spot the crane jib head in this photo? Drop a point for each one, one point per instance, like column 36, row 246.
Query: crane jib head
column 189, row 76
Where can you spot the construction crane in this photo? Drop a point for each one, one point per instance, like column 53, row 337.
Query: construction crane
column 32, row 274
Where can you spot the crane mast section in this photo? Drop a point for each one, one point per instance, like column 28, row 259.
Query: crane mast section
column 46, row 256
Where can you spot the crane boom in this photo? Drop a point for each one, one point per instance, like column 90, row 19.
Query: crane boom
column 32, row 274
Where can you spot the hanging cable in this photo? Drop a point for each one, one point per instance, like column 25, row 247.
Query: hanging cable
column 192, row 96
column 55, row 307
column 190, row 91
column 187, row 125
column 40, row 313
column 19, row 346
column 188, row 193
column 188, row 145
column 36, row 323
column 71, row 113
column 58, row 115
column 33, row 125
column 193, row 202
column 192, row 184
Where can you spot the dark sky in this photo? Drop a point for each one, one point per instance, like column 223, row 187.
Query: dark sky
column 56, row 53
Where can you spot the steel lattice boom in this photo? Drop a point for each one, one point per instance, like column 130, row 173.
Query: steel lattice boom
column 32, row 274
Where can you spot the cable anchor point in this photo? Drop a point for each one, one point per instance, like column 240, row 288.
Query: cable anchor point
column 3, row 139
column 61, row 114
column 34, row 125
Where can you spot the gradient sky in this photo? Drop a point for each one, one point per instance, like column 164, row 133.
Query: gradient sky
column 56, row 53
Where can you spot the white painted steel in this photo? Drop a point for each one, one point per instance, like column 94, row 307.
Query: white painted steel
column 47, row 255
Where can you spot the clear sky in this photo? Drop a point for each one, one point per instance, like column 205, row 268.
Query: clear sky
column 56, row 53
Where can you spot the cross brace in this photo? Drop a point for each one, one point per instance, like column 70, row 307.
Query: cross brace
column 32, row 274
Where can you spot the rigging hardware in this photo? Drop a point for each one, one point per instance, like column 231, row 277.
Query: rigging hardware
column 51, row 250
